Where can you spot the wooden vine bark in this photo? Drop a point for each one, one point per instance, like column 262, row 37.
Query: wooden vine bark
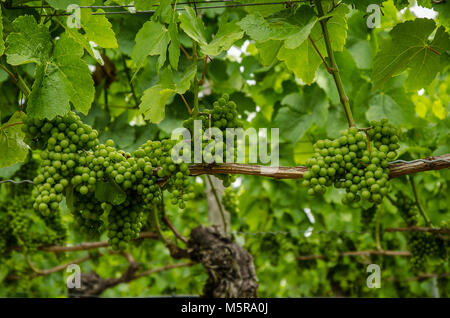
column 396, row 170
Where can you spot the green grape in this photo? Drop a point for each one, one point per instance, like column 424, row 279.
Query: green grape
column 353, row 163
column 230, row 201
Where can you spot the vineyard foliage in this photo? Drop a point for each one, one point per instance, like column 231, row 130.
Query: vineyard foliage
column 92, row 98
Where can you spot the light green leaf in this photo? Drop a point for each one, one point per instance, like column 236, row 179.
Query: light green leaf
column 228, row 34
column 303, row 61
column 109, row 192
column 385, row 106
column 301, row 112
column 296, row 39
column 48, row 97
column 174, row 46
column 256, row 27
column 82, row 40
column 152, row 39
column 184, row 82
column 28, row 43
column 268, row 51
column 192, row 25
column 12, row 145
column 144, row 4
column 154, row 102
column 98, row 29
column 65, row 78
column 75, row 73
column 409, row 48
column 62, row 4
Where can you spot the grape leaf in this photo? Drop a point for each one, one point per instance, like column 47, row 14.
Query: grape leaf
column 409, row 48
column 256, row 27
column 386, row 106
column 144, row 4
column 64, row 78
column 227, row 34
column 62, row 4
column 152, row 39
column 193, row 26
column 174, row 46
column 301, row 112
column 98, row 29
column 28, row 43
column 109, row 192
column 268, row 51
column 2, row 43
column 12, row 145
column 154, row 102
column 304, row 60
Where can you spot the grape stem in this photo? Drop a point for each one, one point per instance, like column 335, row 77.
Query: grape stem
column 333, row 66
column 419, row 206
column 158, row 228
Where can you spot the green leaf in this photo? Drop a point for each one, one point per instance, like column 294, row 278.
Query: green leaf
column 12, row 145
column 154, row 102
column 9, row 171
column 192, row 25
column 2, row 43
column 65, row 78
column 183, row 83
column 174, row 46
column 98, row 29
column 409, row 48
column 303, row 61
column 152, row 39
column 144, row 4
column 75, row 72
column 296, row 39
column 256, row 27
column 28, row 43
column 226, row 36
column 385, row 106
column 301, row 112
column 268, row 51
column 62, row 4
column 109, row 192
column 48, row 97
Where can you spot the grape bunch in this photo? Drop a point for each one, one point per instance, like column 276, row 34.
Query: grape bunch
column 107, row 189
column 355, row 162
column 230, row 201
column 223, row 115
column 407, row 208
column 63, row 139
column 422, row 247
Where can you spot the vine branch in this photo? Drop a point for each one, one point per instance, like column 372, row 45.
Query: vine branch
column 356, row 253
column 333, row 66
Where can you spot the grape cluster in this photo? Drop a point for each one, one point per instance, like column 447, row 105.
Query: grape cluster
column 106, row 188
column 223, row 115
column 368, row 216
column 421, row 245
column 125, row 223
column 63, row 139
column 407, row 208
column 230, row 201
column 353, row 163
